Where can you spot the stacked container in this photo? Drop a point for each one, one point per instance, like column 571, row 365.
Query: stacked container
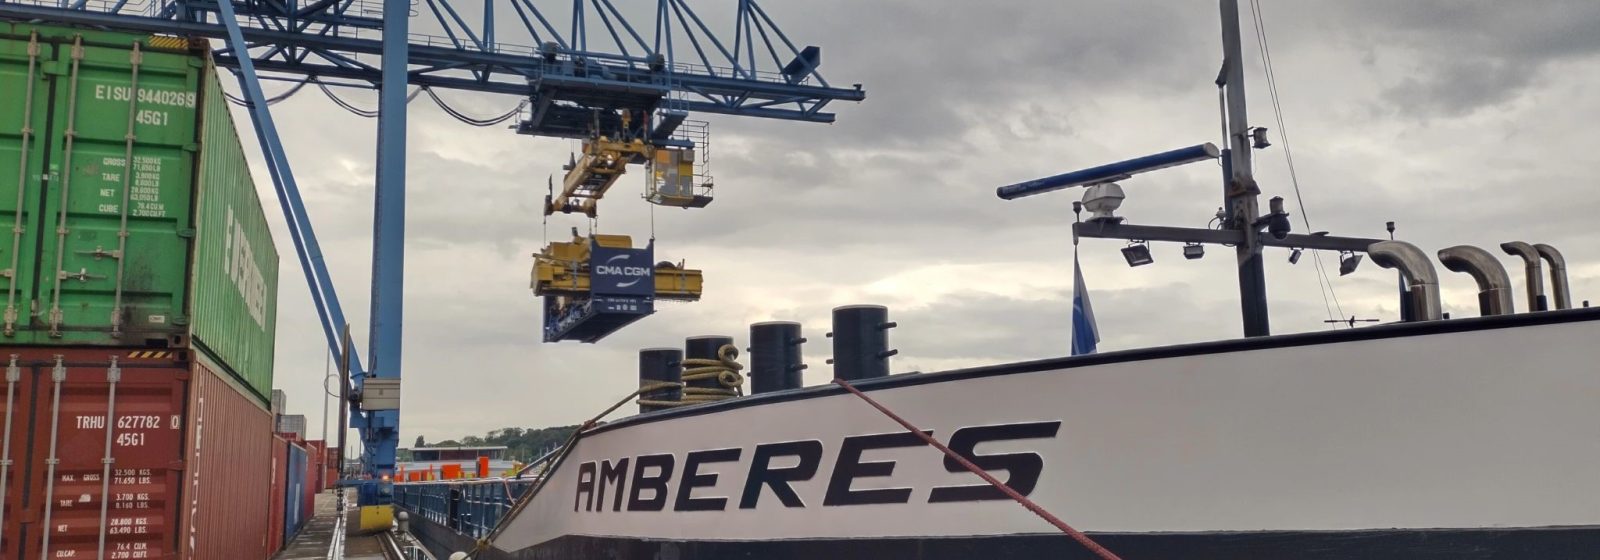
column 277, row 506
column 331, row 474
column 294, row 491
column 140, row 288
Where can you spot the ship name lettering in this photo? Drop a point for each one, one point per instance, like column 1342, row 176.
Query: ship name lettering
column 779, row 470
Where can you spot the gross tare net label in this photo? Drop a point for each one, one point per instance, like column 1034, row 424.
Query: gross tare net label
column 135, row 508
column 144, row 187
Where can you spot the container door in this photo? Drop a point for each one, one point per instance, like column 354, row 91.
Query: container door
column 24, row 64
column 275, row 508
column 116, row 271
column 14, row 412
column 294, row 487
column 82, row 498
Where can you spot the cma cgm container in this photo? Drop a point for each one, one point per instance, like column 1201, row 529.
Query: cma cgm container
column 135, row 222
column 120, row 453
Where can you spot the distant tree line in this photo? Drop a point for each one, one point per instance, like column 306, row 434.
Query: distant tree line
column 522, row 444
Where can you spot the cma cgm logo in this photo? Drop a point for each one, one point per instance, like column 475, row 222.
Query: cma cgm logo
column 610, row 268
column 664, row 481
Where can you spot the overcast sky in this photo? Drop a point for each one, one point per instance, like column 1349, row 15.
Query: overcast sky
column 1463, row 121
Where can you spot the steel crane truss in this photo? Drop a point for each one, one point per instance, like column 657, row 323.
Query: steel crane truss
column 685, row 66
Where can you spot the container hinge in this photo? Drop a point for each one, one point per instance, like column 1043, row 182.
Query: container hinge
column 56, row 319
column 186, row 233
column 191, row 147
column 82, row 276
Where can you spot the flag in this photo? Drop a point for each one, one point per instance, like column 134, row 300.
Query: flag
column 1085, row 335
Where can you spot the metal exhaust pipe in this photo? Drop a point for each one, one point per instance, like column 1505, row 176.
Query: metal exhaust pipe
column 1535, row 273
column 1494, row 284
column 1421, row 280
column 1558, row 275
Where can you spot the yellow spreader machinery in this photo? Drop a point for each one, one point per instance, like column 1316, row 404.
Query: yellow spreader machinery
column 677, row 170
column 594, row 285
column 589, row 176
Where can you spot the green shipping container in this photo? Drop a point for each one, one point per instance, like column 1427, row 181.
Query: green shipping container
column 134, row 219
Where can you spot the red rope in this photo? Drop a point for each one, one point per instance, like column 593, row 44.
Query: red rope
column 1021, row 499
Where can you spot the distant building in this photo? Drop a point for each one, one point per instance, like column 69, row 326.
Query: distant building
column 434, row 458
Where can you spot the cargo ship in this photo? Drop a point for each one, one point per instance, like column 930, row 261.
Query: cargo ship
column 141, row 303
column 1425, row 438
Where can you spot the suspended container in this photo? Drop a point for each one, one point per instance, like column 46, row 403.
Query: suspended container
column 136, row 222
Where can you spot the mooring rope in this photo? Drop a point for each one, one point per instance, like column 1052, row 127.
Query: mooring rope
column 724, row 369
column 957, row 457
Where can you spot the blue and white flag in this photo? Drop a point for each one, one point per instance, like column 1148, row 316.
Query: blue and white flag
column 1085, row 335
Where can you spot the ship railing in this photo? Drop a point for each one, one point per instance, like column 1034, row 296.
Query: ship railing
column 470, row 508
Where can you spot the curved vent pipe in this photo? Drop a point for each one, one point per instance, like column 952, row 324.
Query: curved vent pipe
column 1534, row 272
column 1558, row 275
column 1494, row 285
column 1421, row 279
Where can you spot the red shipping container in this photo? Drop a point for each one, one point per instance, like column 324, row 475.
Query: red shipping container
column 156, row 429
column 275, row 508
column 308, row 499
column 318, row 456
column 229, row 474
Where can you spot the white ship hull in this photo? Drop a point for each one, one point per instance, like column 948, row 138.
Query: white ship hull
column 1447, row 439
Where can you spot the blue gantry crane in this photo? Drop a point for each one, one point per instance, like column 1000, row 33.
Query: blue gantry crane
column 599, row 76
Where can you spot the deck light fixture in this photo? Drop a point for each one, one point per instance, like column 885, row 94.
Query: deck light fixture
column 1349, row 262
column 1294, row 256
column 1138, row 254
column 1193, row 251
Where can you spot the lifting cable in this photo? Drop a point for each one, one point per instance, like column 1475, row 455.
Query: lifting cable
column 1076, row 535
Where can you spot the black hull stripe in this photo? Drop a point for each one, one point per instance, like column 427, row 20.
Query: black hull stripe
column 1548, row 543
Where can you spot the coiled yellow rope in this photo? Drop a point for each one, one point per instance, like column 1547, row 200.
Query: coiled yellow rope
column 724, row 369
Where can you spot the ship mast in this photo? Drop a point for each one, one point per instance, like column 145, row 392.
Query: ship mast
column 1243, row 226
column 1240, row 193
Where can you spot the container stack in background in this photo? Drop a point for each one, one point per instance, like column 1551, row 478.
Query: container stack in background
column 154, row 306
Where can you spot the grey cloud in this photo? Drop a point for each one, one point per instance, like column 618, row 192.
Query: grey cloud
column 1471, row 55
